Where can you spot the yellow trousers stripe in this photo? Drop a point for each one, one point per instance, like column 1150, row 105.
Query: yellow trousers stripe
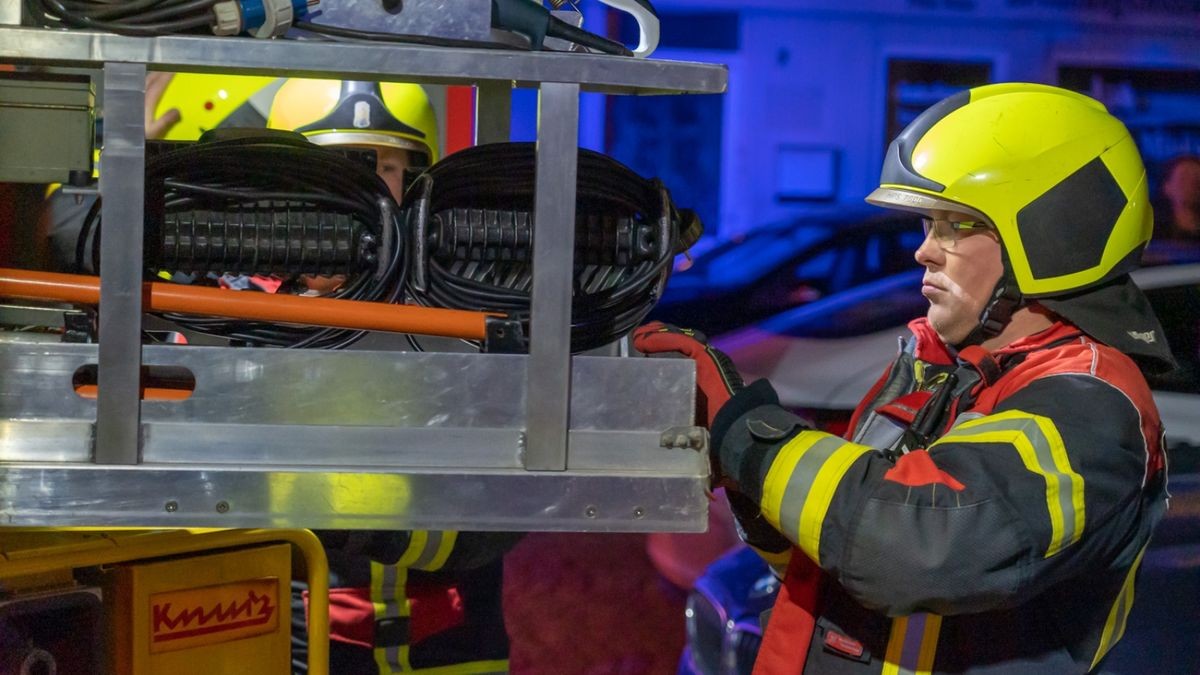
column 391, row 601
column 912, row 645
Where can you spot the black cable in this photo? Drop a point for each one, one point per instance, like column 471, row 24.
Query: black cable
column 262, row 172
column 109, row 11
column 138, row 17
column 562, row 30
column 189, row 8
column 81, row 243
column 608, row 300
column 403, row 38
column 163, row 17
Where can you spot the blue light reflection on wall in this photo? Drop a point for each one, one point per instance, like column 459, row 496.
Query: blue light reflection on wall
column 591, row 118
column 524, row 115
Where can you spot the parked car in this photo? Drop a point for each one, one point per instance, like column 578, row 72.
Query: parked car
column 722, row 615
column 824, row 356
column 740, row 281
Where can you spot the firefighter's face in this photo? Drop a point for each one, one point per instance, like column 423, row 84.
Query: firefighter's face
column 390, row 164
column 959, row 280
column 1182, row 187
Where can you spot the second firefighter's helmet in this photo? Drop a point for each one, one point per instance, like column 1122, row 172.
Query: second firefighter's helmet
column 207, row 101
column 349, row 112
column 1057, row 175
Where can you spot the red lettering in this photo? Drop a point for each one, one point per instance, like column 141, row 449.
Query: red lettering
column 255, row 609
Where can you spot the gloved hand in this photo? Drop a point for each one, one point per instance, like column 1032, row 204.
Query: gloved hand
column 716, row 377
column 717, row 380
column 721, row 399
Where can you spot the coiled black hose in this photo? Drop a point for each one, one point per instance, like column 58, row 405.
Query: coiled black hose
column 126, row 17
column 609, row 300
column 255, row 173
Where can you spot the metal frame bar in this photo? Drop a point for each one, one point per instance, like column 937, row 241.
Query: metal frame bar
column 615, row 479
column 177, row 496
column 493, row 112
column 122, row 183
column 549, row 376
column 363, row 440
column 10, row 12
column 410, row 63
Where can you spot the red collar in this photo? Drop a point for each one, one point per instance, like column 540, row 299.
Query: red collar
column 931, row 349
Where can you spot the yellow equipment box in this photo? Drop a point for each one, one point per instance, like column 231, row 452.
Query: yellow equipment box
column 203, row 614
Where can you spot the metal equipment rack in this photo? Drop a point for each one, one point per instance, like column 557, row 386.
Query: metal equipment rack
column 362, row 439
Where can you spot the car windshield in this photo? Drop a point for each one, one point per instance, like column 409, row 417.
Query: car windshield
column 888, row 303
column 745, row 258
column 749, row 259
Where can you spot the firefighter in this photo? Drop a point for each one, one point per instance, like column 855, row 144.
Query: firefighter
column 179, row 107
column 992, row 500
column 1180, row 218
column 407, row 600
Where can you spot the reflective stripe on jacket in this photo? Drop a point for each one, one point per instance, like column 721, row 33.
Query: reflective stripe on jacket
column 1007, row 541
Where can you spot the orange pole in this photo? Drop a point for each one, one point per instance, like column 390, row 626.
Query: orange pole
column 329, row 312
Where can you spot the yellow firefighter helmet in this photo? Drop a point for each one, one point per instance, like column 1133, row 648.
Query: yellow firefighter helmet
column 348, row 112
column 1057, row 175
column 208, row 100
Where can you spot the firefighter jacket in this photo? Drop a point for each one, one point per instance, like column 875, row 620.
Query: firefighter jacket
column 988, row 517
column 413, row 601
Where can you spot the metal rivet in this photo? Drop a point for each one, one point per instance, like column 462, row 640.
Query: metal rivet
column 172, row 506
column 638, row 512
column 222, row 506
column 590, row 512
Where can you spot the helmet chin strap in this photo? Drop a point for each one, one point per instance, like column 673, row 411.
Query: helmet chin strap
column 1006, row 299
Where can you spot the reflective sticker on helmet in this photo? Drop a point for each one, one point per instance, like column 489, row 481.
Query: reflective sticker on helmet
column 362, row 115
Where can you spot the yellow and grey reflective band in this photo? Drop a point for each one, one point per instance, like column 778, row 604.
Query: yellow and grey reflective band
column 1041, row 448
column 391, row 602
column 497, row 667
column 428, row 550
column 800, row 484
column 912, row 645
column 1114, row 627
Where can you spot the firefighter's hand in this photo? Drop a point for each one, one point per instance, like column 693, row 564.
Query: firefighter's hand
column 157, row 127
column 716, row 378
column 721, row 400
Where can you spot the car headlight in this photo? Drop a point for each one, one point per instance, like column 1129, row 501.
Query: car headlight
column 705, row 632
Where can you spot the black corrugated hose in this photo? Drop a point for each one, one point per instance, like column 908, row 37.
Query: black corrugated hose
column 608, row 300
column 250, row 172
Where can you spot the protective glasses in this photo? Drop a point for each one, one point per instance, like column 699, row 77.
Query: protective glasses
column 947, row 232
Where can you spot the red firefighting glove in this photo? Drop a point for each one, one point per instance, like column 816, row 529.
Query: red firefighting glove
column 716, row 377
column 717, row 380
